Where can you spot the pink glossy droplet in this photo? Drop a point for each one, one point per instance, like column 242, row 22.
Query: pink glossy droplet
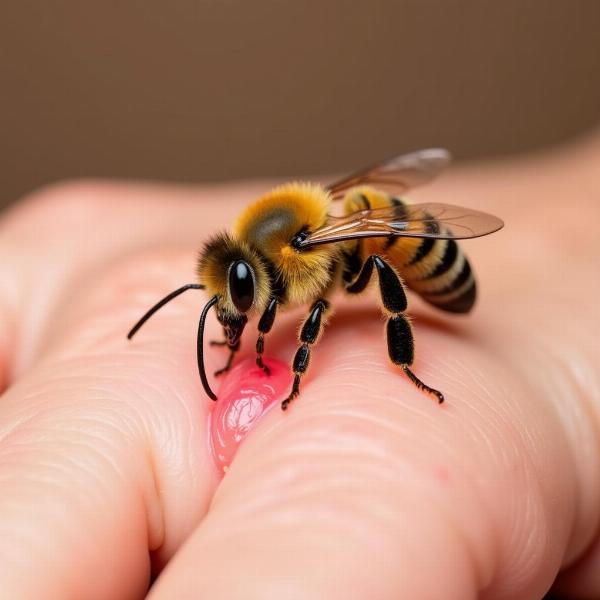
column 246, row 393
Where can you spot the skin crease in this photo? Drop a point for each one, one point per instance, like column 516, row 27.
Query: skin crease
column 365, row 488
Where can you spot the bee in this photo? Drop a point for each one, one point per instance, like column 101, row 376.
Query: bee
column 286, row 249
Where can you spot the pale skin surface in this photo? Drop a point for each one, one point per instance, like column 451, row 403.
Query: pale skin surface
column 365, row 488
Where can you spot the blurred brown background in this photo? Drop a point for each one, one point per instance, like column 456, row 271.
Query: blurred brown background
column 219, row 89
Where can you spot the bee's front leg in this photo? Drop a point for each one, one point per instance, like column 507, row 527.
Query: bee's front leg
column 311, row 329
column 222, row 343
column 232, row 352
column 264, row 326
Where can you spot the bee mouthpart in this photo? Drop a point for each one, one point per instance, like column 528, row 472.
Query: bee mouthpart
column 233, row 337
column 234, row 327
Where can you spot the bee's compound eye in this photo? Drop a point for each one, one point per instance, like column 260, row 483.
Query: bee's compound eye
column 241, row 285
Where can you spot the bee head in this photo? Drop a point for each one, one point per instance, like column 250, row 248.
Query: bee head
column 236, row 274
column 241, row 289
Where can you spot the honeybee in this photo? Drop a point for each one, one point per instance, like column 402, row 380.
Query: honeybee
column 286, row 249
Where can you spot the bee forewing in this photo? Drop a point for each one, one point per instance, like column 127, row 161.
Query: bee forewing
column 425, row 220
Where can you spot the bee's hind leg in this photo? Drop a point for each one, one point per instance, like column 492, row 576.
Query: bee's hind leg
column 400, row 342
column 401, row 351
column 264, row 326
column 309, row 334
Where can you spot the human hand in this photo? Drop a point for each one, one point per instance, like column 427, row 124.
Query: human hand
column 365, row 488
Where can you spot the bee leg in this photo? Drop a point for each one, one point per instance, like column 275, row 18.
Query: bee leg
column 232, row 353
column 264, row 326
column 401, row 350
column 222, row 342
column 400, row 339
column 308, row 336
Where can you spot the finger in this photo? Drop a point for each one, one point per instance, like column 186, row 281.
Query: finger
column 110, row 438
column 369, row 489
column 95, row 448
column 104, row 462
column 69, row 232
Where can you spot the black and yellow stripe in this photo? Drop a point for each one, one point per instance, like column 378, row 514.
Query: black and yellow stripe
column 436, row 269
column 448, row 282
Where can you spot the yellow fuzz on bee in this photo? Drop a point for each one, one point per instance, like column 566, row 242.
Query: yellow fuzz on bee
column 307, row 202
column 270, row 224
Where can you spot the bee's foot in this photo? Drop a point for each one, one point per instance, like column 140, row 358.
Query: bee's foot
column 218, row 343
column 295, row 392
column 221, row 371
column 423, row 386
column 287, row 401
column 262, row 365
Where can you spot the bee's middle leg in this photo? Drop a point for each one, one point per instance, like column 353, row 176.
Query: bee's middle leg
column 308, row 336
column 264, row 326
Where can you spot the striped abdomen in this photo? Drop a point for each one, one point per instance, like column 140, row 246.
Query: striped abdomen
column 436, row 269
column 440, row 273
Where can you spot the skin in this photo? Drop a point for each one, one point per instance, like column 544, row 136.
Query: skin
column 365, row 488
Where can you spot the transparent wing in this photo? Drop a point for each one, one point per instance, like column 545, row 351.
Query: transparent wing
column 398, row 174
column 425, row 220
